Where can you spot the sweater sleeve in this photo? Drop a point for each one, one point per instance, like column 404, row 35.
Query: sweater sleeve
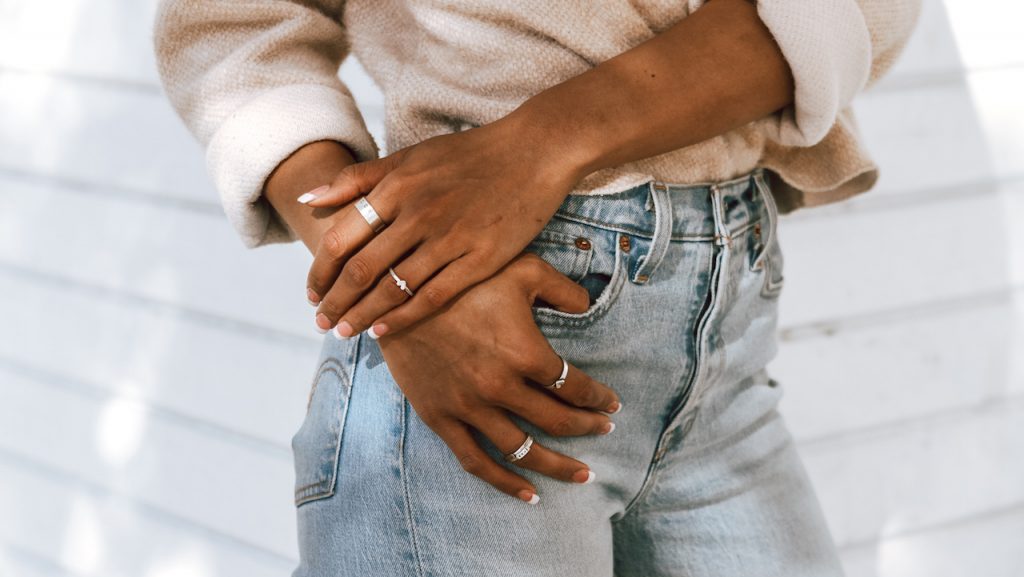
column 835, row 48
column 254, row 81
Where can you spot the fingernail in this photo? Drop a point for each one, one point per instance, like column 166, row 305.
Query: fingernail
column 312, row 298
column 311, row 195
column 614, row 408
column 343, row 330
column 377, row 331
column 323, row 324
column 583, row 476
column 529, row 496
column 608, row 427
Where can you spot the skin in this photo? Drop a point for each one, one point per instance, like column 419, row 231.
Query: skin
column 461, row 207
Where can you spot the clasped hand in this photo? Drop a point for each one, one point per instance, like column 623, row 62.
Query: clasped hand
column 458, row 207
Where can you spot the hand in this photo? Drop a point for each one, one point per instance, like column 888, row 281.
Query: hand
column 474, row 360
column 459, row 207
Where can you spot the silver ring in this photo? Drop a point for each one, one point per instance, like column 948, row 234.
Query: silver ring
column 401, row 283
column 561, row 378
column 369, row 214
column 521, row 451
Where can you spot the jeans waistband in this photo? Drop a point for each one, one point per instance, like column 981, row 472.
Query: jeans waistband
column 698, row 212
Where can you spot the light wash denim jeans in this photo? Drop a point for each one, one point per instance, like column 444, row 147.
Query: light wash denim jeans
column 699, row 478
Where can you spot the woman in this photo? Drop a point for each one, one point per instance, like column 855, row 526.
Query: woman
column 575, row 234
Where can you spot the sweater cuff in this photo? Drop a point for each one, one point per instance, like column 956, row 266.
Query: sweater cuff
column 828, row 48
column 257, row 137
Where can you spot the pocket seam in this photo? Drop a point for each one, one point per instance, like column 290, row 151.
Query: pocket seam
column 553, row 317
column 335, row 366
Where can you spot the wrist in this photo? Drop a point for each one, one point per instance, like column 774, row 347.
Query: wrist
column 309, row 167
column 540, row 133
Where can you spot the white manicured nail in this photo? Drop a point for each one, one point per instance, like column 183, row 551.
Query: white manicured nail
column 590, row 477
column 534, row 499
column 311, row 195
column 373, row 334
column 337, row 335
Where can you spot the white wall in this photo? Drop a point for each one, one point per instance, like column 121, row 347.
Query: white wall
column 134, row 442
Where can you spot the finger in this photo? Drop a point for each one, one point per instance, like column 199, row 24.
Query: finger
column 476, row 461
column 352, row 182
column 553, row 416
column 579, row 388
column 359, row 273
column 341, row 240
column 415, row 270
column 459, row 275
column 507, row 437
column 560, row 291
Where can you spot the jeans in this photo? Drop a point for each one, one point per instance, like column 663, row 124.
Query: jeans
column 699, row 478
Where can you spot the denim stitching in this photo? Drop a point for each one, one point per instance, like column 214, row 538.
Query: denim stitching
column 410, row 523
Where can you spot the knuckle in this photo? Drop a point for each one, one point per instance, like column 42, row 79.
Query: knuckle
column 472, row 464
column 585, row 396
column 563, row 427
column 528, row 364
column 357, row 272
column 490, row 390
column 333, row 243
column 434, row 296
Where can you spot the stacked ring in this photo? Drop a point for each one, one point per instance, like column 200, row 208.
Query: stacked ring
column 369, row 214
column 401, row 283
column 521, row 451
column 561, row 378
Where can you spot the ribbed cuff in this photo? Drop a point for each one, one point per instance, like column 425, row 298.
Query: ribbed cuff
column 250, row 144
column 828, row 48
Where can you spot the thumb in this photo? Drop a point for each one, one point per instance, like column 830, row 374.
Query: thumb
column 353, row 181
column 560, row 291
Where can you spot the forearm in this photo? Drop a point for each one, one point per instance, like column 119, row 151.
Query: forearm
column 307, row 168
column 714, row 71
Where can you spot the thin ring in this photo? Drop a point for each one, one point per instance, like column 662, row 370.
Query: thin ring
column 370, row 215
column 561, row 378
column 521, row 451
column 401, row 283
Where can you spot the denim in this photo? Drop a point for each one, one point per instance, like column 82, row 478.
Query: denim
column 700, row 477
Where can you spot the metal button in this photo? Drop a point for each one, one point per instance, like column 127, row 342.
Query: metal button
column 757, row 230
column 624, row 243
column 582, row 243
column 642, row 278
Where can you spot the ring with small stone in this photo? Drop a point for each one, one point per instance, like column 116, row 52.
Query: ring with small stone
column 401, row 283
column 521, row 451
column 561, row 378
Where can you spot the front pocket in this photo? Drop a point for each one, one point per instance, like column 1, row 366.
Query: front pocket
column 316, row 446
column 588, row 256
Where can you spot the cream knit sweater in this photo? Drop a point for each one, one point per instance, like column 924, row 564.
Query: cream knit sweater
column 254, row 80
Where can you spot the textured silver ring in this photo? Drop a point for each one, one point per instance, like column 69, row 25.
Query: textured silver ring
column 369, row 214
column 561, row 378
column 400, row 282
column 521, row 451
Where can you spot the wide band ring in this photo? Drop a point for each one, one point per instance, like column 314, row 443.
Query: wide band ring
column 561, row 378
column 369, row 214
column 521, row 451
column 401, row 283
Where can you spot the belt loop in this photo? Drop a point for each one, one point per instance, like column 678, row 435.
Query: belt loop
column 722, row 237
column 649, row 262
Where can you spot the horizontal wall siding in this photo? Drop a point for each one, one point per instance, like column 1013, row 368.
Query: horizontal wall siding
column 152, row 371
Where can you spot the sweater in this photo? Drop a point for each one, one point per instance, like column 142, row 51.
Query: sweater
column 255, row 80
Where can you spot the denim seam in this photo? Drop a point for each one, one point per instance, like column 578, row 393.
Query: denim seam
column 410, row 522
column 652, row 469
column 304, row 494
column 642, row 233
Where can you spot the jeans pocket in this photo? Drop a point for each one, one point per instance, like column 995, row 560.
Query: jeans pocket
column 767, row 257
column 586, row 254
column 316, row 446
